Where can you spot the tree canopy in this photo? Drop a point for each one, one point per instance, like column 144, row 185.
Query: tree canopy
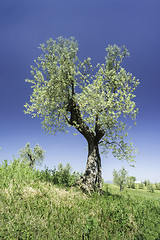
column 31, row 157
column 104, row 98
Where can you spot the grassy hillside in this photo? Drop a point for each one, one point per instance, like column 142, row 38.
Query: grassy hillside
column 33, row 208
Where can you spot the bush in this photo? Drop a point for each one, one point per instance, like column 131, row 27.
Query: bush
column 150, row 188
column 63, row 176
column 146, row 183
column 131, row 182
column 157, row 185
column 16, row 173
column 21, row 173
column 141, row 185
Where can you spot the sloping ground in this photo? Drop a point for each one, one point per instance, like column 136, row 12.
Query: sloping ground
column 34, row 209
column 44, row 211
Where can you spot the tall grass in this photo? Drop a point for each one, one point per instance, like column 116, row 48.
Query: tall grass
column 32, row 207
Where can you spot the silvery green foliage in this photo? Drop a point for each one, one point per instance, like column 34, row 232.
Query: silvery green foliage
column 131, row 182
column 103, row 99
column 120, row 178
column 31, row 157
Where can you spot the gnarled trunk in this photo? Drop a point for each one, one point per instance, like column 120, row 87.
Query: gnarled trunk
column 92, row 178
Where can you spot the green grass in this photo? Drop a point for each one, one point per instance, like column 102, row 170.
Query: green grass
column 31, row 208
column 144, row 193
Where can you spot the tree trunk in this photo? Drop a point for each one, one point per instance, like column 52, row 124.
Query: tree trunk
column 92, row 178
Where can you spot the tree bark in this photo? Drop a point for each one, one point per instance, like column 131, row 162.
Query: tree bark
column 32, row 160
column 92, row 178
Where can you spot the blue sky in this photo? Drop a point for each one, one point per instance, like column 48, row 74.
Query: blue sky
column 94, row 24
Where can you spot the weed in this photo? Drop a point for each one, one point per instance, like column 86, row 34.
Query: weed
column 32, row 208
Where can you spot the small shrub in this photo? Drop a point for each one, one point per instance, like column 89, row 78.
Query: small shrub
column 62, row 176
column 48, row 175
column 150, row 188
column 157, row 186
column 146, row 183
column 131, row 182
column 16, row 173
column 141, row 185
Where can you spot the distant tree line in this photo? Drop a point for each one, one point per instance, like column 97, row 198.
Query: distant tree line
column 121, row 179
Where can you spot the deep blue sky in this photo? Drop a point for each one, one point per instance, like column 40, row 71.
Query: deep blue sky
column 94, row 24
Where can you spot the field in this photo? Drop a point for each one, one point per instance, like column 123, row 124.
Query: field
column 143, row 193
column 32, row 207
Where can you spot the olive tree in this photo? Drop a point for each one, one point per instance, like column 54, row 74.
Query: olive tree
column 31, row 157
column 120, row 178
column 94, row 100
column 131, row 182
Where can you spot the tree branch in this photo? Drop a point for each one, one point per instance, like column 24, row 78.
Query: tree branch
column 98, row 130
column 67, row 119
column 113, row 142
column 77, row 121
column 32, row 160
